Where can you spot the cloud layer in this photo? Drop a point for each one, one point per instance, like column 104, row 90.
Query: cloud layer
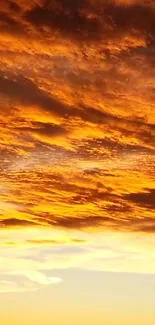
column 77, row 121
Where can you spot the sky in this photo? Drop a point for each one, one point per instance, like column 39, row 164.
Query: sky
column 77, row 162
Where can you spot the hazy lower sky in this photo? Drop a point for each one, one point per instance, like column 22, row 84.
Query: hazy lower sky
column 77, row 162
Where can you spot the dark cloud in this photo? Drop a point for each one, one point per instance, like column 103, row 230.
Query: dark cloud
column 10, row 25
column 54, row 242
column 148, row 228
column 110, row 221
column 143, row 224
column 44, row 242
column 25, row 91
column 13, row 222
column 44, row 129
column 14, row 6
column 144, row 199
column 119, row 208
column 134, row 17
column 93, row 20
column 83, row 20
column 66, row 17
column 72, row 6
column 81, row 223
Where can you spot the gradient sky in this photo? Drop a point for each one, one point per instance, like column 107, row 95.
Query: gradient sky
column 77, row 162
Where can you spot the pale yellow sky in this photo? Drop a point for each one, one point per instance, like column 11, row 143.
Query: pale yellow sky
column 61, row 281
column 85, row 298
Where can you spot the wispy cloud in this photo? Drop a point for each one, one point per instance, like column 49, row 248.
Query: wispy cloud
column 23, row 281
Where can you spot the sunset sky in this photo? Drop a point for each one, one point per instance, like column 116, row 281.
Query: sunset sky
column 77, row 162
